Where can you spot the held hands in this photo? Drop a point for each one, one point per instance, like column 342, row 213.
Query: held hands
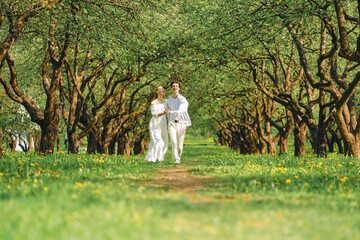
column 167, row 111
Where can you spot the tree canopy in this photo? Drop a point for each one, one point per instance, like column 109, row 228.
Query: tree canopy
column 254, row 72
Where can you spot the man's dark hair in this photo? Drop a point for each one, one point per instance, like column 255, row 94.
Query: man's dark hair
column 180, row 85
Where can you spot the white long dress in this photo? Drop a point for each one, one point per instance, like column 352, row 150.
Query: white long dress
column 159, row 137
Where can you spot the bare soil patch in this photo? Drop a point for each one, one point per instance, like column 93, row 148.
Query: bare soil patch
column 181, row 179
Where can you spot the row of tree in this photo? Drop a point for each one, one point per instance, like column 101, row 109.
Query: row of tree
column 296, row 67
column 255, row 72
column 88, row 63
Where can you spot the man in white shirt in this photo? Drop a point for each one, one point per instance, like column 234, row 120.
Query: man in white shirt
column 178, row 119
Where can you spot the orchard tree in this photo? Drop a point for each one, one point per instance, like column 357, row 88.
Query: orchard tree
column 341, row 77
column 64, row 22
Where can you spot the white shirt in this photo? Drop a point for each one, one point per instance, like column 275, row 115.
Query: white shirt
column 178, row 110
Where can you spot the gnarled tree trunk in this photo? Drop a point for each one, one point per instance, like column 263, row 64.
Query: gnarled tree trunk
column 299, row 138
column 124, row 146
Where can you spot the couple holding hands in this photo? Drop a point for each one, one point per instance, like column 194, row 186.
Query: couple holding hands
column 169, row 119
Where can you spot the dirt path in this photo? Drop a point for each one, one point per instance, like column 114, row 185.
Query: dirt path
column 182, row 180
column 178, row 179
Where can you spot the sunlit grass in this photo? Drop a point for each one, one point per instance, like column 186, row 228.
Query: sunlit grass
column 248, row 197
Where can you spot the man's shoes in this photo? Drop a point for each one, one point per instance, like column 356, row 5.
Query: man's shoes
column 177, row 161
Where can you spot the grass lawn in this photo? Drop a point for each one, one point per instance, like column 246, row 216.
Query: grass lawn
column 245, row 197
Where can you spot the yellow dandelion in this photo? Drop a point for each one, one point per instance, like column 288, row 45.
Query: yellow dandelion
column 296, row 177
column 46, row 189
column 78, row 184
column 288, row 181
column 8, row 186
column 96, row 192
column 331, row 187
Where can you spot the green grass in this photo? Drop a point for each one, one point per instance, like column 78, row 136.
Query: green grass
column 251, row 197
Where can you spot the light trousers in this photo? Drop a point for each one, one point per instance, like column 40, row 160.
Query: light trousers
column 177, row 135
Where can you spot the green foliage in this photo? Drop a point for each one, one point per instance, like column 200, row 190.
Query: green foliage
column 201, row 43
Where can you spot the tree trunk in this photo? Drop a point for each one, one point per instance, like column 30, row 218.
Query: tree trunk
column 37, row 142
column 271, row 147
column 107, row 135
column 58, row 143
column 103, row 145
column 320, row 142
column 284, row 142
column 285, row 133
column 261, row 146
column 30, row 143
column 48, row 137
column 50, row 126
column 299, row 138
column 112, row 146
column 139, row 145
column 351, row 143
column 335, row 139
column 124, row 147
column 92, row 141
column 74, row 143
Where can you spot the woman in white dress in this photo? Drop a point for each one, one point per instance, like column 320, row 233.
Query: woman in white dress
column 159, row 137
